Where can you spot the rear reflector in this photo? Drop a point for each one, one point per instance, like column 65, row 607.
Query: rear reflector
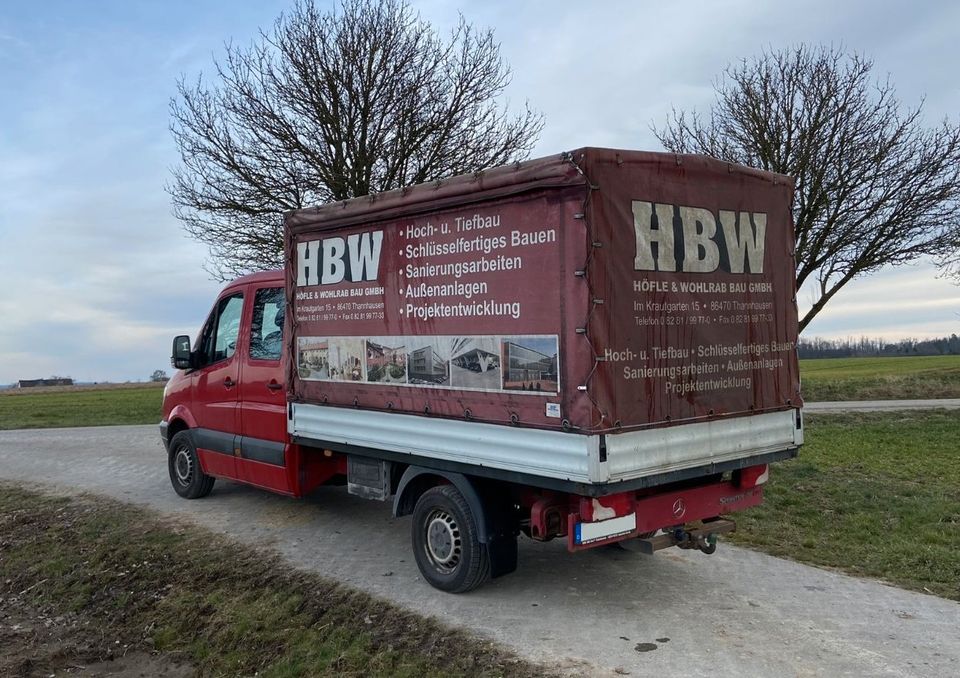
column 753, row 475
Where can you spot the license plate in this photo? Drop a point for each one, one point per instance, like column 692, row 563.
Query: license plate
column 587, row 533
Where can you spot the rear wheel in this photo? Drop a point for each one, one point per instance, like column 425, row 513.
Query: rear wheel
column 445, row 541
column 186, row 476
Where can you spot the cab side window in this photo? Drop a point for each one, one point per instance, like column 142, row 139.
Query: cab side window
column 266, row 330
column 219, row 338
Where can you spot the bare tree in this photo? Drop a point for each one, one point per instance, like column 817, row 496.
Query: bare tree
column 874, row 186
column 331, row 105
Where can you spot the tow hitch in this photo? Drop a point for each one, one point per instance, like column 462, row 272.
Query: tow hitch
column 702, row 537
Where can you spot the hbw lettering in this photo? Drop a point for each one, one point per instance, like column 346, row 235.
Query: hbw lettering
column 678, row 238
column 355, row 258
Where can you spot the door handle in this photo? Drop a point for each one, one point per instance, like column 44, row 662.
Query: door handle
column 274, row 386
column 229, row 383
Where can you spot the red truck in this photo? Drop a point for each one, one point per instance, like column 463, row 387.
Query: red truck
column 595, row 346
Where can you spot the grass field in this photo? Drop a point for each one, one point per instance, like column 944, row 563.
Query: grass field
column 827, row 379
column 91, row 579
column 872, row 494
column 881, row 378
column 81, row 406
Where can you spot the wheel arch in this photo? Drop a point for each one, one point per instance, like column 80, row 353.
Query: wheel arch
column 177, row 425
column 183, row 418
column 416, row 480
column 178, row 419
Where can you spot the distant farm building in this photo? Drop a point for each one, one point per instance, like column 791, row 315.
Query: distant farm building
column 33, row 383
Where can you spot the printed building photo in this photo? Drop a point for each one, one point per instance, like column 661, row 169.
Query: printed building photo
column 313, row 358
column 346, row 359
column 428, row 361
column 475, row 363
column 386, row 360
column 530, row 364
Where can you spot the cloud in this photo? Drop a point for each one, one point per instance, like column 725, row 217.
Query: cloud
column 98, row 275
column 907, row 301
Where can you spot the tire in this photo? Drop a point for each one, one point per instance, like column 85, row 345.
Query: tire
column 445, row 541
column 188, row 480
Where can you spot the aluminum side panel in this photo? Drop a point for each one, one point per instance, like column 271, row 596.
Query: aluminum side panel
column 642, row 453
column 538, row 452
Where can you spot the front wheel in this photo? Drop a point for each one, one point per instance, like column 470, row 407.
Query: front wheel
column 445, row 541
column 186, row 476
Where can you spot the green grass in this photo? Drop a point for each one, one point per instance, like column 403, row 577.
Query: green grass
column 226, row 609
column 825, row 379
column 81, row 407
column 881, row 378
column 876, row 495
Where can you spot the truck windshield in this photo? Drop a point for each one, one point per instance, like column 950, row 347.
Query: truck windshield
column 219, row 338
column 228, row 328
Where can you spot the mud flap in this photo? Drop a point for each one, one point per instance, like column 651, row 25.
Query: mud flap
column 502, row 550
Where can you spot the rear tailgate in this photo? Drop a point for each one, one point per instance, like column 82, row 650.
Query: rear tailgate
column 694, row 318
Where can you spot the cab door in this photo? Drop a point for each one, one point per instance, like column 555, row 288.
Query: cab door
column 265, row 458
column 216, row 383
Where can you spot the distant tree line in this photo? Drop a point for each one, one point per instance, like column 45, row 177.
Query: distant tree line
column 871, row 347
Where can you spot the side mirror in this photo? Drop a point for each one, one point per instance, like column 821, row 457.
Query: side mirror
column 181, row 358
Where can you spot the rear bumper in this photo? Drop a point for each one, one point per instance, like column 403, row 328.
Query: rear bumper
column 642, row 514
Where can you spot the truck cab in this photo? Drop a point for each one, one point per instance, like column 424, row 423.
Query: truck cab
column 224, row 411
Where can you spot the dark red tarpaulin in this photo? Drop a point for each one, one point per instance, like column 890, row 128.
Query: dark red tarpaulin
column 594, row 291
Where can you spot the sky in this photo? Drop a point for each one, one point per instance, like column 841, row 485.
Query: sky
column 97, row 276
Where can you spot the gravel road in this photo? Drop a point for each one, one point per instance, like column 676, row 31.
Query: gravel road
column 882, row 405
column 735, row 613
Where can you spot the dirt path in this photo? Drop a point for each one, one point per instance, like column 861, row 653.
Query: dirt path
column 882, row 405
column 734, row 613
column 34, row 643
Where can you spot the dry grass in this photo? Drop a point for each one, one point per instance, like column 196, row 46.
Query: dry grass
column 198, row 598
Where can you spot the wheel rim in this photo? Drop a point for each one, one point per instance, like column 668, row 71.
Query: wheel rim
column 183, row 466
column 443, row 544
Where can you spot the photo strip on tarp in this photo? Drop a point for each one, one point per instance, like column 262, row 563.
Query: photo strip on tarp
column 516, row 363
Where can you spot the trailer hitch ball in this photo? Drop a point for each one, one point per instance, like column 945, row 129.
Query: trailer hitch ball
column 709, row 544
